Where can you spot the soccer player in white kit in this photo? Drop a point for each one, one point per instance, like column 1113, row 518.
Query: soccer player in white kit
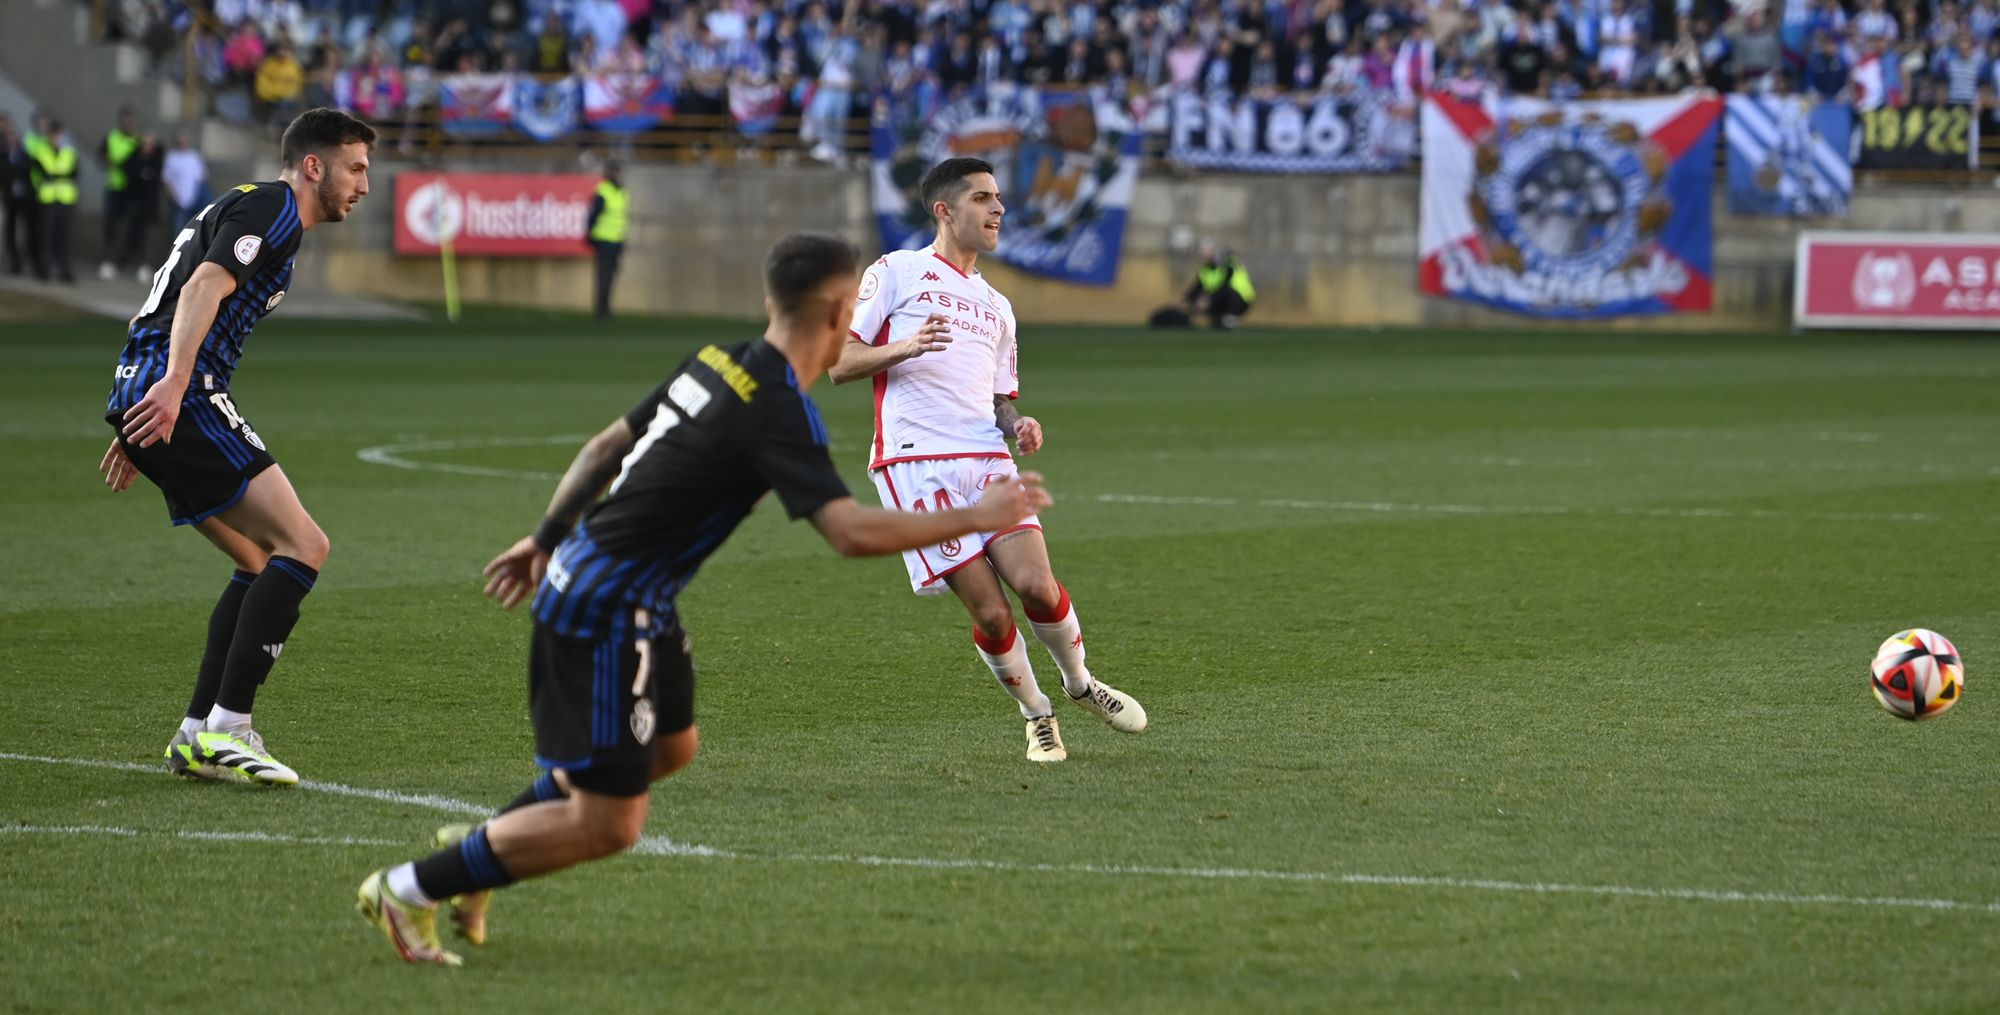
column 940, row 345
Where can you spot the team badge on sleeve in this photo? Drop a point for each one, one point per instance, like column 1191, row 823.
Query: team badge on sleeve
column 247, row 247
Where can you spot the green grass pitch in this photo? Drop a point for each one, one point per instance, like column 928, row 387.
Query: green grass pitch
column 1487, row 673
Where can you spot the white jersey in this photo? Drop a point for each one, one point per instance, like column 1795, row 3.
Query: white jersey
column 940, row 404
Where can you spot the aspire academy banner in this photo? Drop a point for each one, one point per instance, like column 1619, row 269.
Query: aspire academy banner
column 1066, row 163
column 1587, row 210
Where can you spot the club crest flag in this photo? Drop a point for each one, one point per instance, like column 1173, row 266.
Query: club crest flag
column 475, row 103
column 546, row 110
column 1788, row 156
column 1590, row 209
column 1066, row 162
column 626, row 103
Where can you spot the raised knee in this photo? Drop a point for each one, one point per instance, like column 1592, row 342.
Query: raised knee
column 313, row 548
column 993, row 622
column 1041, row 597
column 616, row 830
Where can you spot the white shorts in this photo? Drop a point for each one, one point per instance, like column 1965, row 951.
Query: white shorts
column 944, row 484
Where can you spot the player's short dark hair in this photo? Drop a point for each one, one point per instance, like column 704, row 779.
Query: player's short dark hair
column 946, row 180
column 321, row 130
column 800, row 263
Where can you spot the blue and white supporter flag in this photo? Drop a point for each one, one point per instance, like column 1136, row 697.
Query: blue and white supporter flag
column 1788, row 156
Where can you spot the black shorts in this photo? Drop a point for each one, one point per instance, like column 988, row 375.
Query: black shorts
column 208, row 465
column 597, row 715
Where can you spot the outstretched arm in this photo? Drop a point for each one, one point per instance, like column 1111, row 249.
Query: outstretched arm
column 858, row 359
column 856, row 531
column 513, row 575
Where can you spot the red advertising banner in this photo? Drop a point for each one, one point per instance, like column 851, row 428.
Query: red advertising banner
column 1897, row 280
column 494, row 214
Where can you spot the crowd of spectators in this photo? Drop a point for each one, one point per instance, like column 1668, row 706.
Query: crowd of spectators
column 825, row 58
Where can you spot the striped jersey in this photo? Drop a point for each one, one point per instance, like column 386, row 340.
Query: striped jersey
column 939, row 404
column 728, row 426
column 252, row 231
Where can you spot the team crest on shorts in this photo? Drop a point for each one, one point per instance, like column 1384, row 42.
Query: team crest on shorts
column 272, row 303
column 255, row 441
column 949, row 548
column 642, row 721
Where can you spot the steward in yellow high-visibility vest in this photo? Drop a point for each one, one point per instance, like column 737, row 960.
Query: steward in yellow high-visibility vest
column 606, row 231
column 1221, row 288
column 115, row 154
column 57, row 193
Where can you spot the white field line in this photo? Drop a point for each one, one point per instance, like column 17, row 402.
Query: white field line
column 425, row 800
column 1390, row 507
column 258, row 837
column 658, row 846
column 392, row 455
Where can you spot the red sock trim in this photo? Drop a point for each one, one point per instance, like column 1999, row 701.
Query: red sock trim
column 1055, row 616
column 995, row 646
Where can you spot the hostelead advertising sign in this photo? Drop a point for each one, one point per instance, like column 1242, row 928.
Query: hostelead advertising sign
column 494, row 214
column 1897, row 280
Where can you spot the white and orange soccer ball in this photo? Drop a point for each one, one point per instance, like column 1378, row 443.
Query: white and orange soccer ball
column 1918, row 675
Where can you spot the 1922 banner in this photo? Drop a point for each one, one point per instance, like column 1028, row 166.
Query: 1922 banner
column 1326, row 134
column 1066, row 161
column 1589, row 209
column 1919, row 137
column 1897, row 280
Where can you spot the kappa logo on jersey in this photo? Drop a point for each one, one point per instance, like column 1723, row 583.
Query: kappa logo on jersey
column 931, row 276
column 247, row 247
column 272, row 303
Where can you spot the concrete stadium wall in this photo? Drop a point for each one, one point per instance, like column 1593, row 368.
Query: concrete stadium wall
column 1331, row 250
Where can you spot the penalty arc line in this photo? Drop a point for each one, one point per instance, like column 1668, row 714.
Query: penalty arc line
column 657, row 846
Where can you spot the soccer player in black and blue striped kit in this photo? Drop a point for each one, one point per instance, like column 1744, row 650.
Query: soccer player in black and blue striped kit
column 178, row 425
column 610, row 680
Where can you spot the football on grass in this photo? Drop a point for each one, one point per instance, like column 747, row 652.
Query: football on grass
column 1918, row 675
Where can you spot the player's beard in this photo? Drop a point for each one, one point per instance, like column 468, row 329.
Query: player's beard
column 331, row 207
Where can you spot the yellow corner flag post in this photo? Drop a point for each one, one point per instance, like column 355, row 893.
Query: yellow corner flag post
column 445, row 258
column 450, row 279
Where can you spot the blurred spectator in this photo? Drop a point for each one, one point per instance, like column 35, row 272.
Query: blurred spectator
column 1961, row 70
column 16, row 200
column 142, row 206
column 1826, row 68
column 185, row 177
column 244, row 52
column 1756, row 52
column 280, row 81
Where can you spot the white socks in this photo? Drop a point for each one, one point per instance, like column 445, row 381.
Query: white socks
column 1064, row 640
column 1008, row 659
column 403, row 885
column 192, row 727
column 221, row 719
